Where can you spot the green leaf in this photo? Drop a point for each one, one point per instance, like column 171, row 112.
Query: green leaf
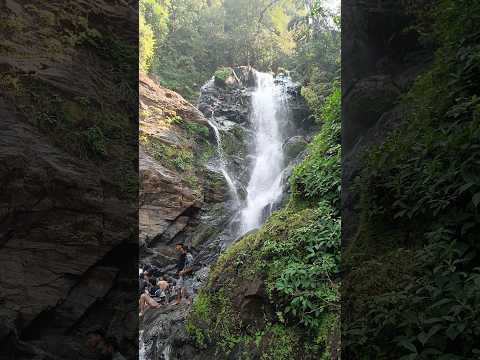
column 476, row 199
column 424, row 337
column 408, row 345
column 409, row 357
column 464, row 187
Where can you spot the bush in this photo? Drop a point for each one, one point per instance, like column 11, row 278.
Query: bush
column 222, row 73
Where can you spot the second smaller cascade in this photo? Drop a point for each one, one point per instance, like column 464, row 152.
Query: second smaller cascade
column 222, row 165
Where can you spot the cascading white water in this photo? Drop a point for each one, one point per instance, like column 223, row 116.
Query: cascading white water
column 265, row 184
column 222, row 165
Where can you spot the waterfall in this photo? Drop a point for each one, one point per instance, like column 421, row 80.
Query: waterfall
column 268, row 117
column 222, row 164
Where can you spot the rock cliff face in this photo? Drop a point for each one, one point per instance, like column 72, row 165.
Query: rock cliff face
column 190, row 201
column 181, row 198
column 68, row 220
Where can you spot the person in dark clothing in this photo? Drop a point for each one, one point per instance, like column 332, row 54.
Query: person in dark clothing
column 182, row 256
column 142, row 285
column 185, row 273
column 152, row 287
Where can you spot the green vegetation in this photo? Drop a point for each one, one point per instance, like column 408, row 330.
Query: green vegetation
column 146, row 44
column 184, row 42
column 189, row 156
column 419, row 194
column 223, row 73
column 194, row 129
column 295, row 255
column 176, row 157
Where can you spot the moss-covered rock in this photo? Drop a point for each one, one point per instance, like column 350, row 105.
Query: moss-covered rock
column 294, row 146
column 223, row 76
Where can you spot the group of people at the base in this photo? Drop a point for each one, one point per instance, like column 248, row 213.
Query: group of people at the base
column 156, row 289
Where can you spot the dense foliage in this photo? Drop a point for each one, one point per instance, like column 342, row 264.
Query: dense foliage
column 420, row 194
column 184, row 42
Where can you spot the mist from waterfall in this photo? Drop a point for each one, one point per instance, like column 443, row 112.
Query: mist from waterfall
column 268, row 117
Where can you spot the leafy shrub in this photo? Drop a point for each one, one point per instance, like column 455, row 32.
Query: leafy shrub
column 195, row 129
column 222, row 73
column 302, row 264
column 183, row 159
column 176, row 120
column 180, row 158
column 318, row 176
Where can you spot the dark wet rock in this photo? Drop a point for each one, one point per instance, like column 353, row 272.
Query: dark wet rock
column 294, row 146
column 252, row 304
column 364, row 105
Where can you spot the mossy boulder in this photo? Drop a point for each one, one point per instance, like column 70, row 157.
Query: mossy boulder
column 293, row 147
column 223, row 77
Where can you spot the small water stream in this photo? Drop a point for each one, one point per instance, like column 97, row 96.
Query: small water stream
column 222, row 164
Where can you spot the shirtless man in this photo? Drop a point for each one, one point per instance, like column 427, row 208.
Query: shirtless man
column 146, row 302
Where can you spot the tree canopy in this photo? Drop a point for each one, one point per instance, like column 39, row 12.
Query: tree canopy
column 183, row 42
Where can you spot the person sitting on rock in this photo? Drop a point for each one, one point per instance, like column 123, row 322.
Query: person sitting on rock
column 162, row 291
column 146, row 302
column 152, row 287
column 147, row 275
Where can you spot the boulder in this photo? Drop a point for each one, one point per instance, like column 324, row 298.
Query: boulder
column 364, row 104
column 252, row 304
column 163, row 198
column 294, row 146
